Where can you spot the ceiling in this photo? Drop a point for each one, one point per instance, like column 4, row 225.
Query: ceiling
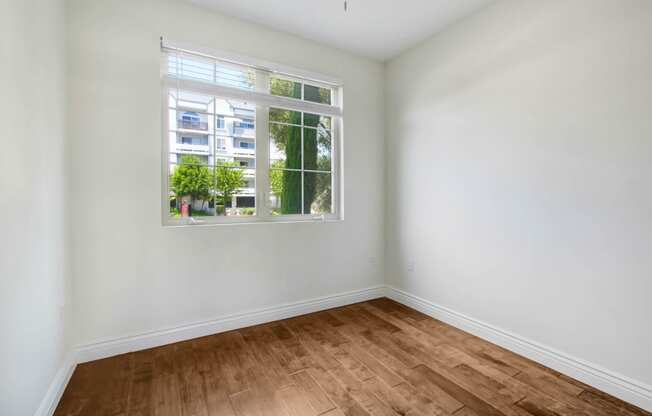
column 379, row 29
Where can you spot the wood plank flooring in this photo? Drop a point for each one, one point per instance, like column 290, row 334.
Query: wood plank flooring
column 376, row 358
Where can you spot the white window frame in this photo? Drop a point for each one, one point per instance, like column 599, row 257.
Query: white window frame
column 263, row 100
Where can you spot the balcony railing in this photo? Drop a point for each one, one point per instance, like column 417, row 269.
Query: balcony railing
column 246, row 191
column 241, row 152
column 203, row 149
column 243, row 132
column 193, row 125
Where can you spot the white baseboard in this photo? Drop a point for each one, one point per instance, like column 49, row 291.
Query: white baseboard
column 610, row 382
column 625, row 388
column 58, row 385
column 153, row 339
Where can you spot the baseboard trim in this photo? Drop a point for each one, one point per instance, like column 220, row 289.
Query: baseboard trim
column 58, row 385
column 109, row 348
column 620, row 386
column 625, row 388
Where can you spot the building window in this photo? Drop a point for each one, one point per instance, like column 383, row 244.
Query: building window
column 220, row 143
column 245, row 124
column 299, row 143
column 192, row 121
column 201, row 141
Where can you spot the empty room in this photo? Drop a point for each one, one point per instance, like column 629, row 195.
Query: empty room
column 326, row 208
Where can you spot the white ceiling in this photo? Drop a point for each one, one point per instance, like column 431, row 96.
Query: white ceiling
column 379, row 29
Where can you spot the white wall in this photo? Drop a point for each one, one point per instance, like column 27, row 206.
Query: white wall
column 32, row 195
column 132, row 275
column 519, row 161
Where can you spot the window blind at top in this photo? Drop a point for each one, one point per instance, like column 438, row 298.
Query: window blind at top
column 205, row 74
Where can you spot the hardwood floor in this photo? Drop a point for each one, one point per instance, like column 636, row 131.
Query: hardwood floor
column 375, row 358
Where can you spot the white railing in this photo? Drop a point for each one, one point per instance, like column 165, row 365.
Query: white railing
column 202, row 149
column 239, row 151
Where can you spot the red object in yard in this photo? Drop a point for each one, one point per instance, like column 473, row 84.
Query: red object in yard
column 185, row 210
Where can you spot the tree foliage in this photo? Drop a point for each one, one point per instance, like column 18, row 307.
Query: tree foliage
column 228, row 179
column 192, row 178
column 287, row 139
column 276, row 177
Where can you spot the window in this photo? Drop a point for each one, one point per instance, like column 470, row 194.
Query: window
column 300, row 162
column 192, row 121
column 193, row 140
column 283, row 168
column 245, row 124
column 220, row 143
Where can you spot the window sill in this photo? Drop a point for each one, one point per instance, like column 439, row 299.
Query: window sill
column 201, row 222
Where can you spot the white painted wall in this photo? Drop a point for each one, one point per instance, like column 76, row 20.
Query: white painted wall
column 131, row 275
column 519, row 166
column 32, row 189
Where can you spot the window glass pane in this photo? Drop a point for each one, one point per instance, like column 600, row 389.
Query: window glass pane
column 285, row 88
column 315, row 120
column 191, row 120
column 188, row 101
column 316, row 149
column 317, row 193
column 191, row 160
column 194, row 141
column 220, row 145
column 219, row 122
column 210, row 174
column 285, row 146
column 222, row 160
column 235, row 190
column 284, row 116
column 190, row 67
column 317, row 94
column 211, row 71
column 285, row 195
column 191, row 184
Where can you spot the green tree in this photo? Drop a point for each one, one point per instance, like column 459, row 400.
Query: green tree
column 285, row 88
column 276, row 177
column 309, row 162
column 323, row 181
column 191, row 178
column 288, row 140
column 228, row 180
column 291, row 194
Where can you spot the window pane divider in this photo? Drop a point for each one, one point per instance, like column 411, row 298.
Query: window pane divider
column 262, row 150
column 280, row 123
column 303, row 201
column 303, row 170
